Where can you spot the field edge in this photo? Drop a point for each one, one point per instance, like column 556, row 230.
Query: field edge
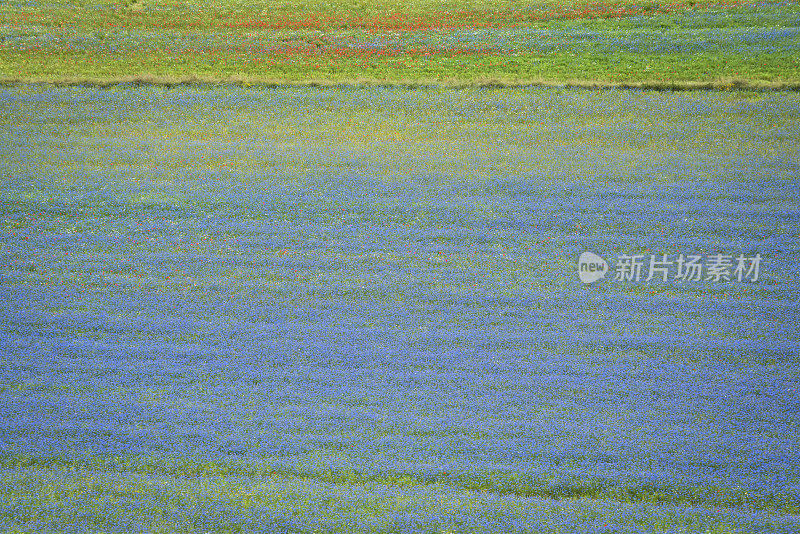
column 192, row 80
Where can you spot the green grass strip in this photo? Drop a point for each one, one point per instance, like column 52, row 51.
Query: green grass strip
column 653, row 46
column 499, row 482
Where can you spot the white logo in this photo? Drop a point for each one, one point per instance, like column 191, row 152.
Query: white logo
column 591, row 267
column 671, row 267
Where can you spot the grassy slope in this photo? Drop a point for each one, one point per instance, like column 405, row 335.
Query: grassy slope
column 206, row 497
column 677, row 44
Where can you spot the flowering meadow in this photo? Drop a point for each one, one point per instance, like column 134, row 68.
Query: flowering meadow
column 357, row 309
column 651, row 44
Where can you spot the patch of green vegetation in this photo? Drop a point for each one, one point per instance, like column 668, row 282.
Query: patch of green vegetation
column 495, row 482
column 209, row 496
column 677, row 45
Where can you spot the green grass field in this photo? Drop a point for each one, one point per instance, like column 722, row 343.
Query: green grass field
column 684, row 44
